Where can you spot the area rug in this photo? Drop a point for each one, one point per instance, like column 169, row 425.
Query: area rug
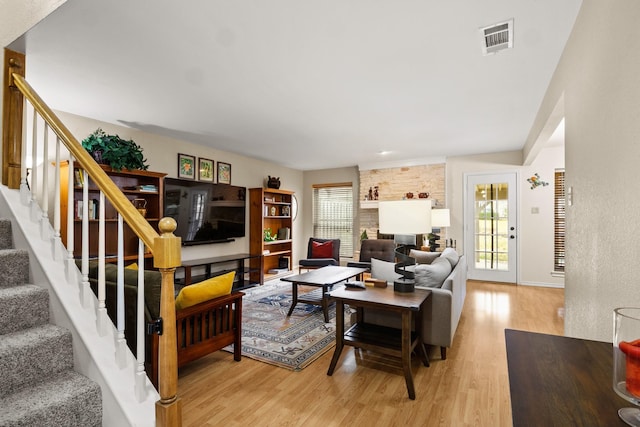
column 268, row 335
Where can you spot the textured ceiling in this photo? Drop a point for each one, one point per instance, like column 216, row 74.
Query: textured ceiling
column 308, row 85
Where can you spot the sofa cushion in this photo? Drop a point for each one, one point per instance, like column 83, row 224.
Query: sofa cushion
column 205, row 290
column 383, row 270
column 432, row 275
column 322, row 249
column 423, row 257
column 451, row 255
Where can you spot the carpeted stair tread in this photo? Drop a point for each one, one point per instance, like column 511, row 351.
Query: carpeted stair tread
column 23, row 307
column 6, row 236
column 28, row 356
column 14, row 265
column 67, row 399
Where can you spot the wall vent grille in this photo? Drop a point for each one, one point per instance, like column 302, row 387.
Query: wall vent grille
column 497, row 37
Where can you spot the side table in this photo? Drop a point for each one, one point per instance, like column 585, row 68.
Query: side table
column 382, row 339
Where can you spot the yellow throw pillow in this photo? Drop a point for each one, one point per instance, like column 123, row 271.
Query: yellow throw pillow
column 133, row 266
column 205, row 290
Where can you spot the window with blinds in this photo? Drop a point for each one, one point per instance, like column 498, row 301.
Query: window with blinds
column 559, row 221
column 333, row 214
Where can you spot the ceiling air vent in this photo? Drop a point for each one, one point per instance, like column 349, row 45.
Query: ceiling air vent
column 497, row 37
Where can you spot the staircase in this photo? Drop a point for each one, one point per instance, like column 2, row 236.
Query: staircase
column 38, row 386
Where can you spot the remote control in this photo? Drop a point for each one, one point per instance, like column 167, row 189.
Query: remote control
column 355, row 285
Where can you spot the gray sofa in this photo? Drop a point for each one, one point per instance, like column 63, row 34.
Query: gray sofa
column 443, row 308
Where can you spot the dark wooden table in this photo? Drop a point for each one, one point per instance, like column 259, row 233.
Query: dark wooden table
column 385, row 340
column 324, row 278
column 561, row 381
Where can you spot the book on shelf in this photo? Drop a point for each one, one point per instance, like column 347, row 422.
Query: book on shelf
column 150, row 188
column 92, row 209
column 284, row 233
column 277, row 270
column 79, row 177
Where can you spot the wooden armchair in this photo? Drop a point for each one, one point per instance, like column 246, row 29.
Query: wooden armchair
column 202, row 329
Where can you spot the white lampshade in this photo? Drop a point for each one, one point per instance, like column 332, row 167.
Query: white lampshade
column 440, row 218
column 405, row 216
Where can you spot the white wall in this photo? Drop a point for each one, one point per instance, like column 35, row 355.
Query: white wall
column 535, row 238
column 598, row 76
column 535, row 234
column 162, row 155
column 327, row 176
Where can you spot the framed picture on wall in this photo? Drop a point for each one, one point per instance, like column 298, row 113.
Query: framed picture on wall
column 205, row 169
column 186, row 166
column 224, row 173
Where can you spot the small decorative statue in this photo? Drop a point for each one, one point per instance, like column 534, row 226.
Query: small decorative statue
column 273, row 182
column 535, row 181
column 375, row 193
column 370, row 193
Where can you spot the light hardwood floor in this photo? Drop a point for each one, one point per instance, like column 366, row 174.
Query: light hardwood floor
column 469, row 388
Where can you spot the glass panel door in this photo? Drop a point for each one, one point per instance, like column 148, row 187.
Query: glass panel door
column 491, row 227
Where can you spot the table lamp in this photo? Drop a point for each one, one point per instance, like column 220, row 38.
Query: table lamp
column 439, row 218
column 404, row 219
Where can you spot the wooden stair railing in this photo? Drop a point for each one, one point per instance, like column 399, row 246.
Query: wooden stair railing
column 165, row 246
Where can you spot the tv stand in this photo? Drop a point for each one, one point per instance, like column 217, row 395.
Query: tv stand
column 208, row 242
column 241, row 280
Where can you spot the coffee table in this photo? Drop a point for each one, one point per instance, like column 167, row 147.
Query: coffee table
column 324, row 278
column 382, row 339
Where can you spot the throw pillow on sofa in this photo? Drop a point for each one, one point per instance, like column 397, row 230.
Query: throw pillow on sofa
column 432, row 275
column 205, row 290
column 423, row 257
column 451, row 255
column 383, row 270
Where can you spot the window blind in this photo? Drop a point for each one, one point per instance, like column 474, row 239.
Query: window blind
column 333, row 214
column 559, row 221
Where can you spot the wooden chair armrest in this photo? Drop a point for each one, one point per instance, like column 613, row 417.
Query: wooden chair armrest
column 234, row 297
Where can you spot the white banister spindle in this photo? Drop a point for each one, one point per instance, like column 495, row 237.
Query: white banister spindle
column 35, row 210
column 24, row 186
column 102, row 318
column 71, row 214
column 56, row 242
column 121, row 344
column 85, row 290
column 141, row 376
column 44, row 220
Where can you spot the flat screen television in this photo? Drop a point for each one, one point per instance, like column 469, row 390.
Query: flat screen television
column 205, row 212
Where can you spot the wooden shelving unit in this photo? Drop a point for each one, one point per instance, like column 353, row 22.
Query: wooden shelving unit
column 270, row 209
column 130, row 183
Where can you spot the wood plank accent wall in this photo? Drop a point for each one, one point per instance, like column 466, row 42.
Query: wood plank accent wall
column 394, row 183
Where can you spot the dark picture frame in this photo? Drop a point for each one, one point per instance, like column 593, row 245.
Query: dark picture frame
column 205, row 169
column 186, row 166
column 224, row 173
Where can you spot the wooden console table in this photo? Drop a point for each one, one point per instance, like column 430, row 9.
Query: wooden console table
column 386, row 340
column 240, row 281
column 561, row 381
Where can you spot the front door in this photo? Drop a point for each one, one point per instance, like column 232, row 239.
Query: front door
column 491, row 226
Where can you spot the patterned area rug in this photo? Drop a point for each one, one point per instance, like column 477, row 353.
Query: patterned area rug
column 268, row 335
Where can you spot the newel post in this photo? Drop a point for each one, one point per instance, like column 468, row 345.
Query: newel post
column 12, row 108
column 166, row 257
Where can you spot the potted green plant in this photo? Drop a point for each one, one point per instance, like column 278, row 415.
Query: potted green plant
column 114, row 151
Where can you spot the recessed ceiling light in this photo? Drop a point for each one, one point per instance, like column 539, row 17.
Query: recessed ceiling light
column 383, row 152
